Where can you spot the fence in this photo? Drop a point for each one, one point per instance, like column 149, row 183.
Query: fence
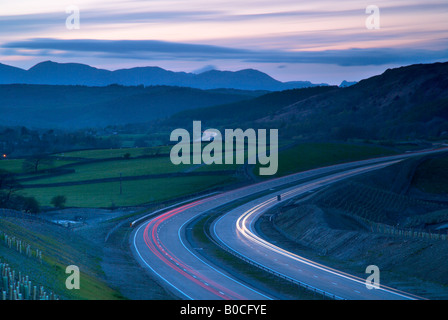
column 15, row 286
column 394, row 231
column 20, row 246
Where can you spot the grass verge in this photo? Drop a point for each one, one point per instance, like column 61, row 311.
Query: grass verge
column 60, row 248
column 308, row 156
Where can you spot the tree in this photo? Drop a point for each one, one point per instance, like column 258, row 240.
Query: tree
column 59, row 201
column 10, row 200
column 30, row 204
column 8, row 186
column 32, row 164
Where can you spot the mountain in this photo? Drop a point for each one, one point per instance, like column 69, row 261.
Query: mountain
column 77, row 107
column 403, row 103
column 248, row 79
column 10, row 74
column 346, row 83
column 52, row 73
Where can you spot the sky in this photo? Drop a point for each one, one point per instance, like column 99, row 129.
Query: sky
column 323, row 41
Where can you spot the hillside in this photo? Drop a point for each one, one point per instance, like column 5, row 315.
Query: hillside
column 404, row 103
column 245, row 112
column 408, row 102
column 77, row 107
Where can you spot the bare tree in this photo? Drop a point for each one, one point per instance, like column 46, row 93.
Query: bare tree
column 32, row 164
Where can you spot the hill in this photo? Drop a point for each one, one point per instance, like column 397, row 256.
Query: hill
column 407, row 102
column 403, row 103
column 77, row 107
column 245, row 112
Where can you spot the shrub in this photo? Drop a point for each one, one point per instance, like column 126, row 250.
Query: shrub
column 30, row 204
column 59, row 201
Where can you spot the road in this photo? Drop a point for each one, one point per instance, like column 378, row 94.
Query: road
column 159, row 242
column 235, row 230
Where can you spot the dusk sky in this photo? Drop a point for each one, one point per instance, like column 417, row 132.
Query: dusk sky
column 320, row 41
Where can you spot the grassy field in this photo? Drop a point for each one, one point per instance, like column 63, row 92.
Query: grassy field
column 114, row 153
column 134, row 192
column 112, row 169
column 16, row 165
column 308, row 156
column 137, row 188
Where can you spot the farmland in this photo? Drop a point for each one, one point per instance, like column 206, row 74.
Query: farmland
column 125, row 177
column 107, row 178
column 134, row 192
column 115, row 177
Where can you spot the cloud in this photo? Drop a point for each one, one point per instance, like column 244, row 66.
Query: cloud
column 282, row 32
column 120, row 46
column 18, row 24
column 153, row 49
column 33, row 20
column 126, row 49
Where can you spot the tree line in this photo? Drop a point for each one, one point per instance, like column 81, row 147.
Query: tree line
column 22, row 141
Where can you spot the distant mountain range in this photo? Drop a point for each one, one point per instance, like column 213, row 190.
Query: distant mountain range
column 403, row 103
column 52, row 73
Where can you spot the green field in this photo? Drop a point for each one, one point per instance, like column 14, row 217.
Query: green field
column 134, row 192
column 114, row 153
column 16, row 165
column 134, row 171
column 113, row 169
column 137, row 185
column 308, row 156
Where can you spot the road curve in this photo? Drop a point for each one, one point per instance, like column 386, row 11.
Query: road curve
column 235, row 230
column 160, row 245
